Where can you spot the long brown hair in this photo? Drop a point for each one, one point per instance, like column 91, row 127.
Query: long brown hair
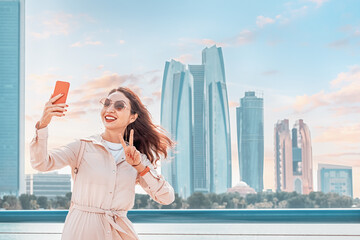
column 149, row 139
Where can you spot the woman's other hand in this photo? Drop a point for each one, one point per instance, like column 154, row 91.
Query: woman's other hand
column 131, row 153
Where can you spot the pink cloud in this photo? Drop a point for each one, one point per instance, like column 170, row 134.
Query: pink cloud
column 350, row 133
column 185, row 58
column 261, row 21
column 348, row 93
column 157, row 95
column 233, row 104
column 56, row 24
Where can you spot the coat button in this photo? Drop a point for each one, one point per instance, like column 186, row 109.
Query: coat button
column 114, row 171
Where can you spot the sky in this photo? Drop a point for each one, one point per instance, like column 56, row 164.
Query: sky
column 302, row 56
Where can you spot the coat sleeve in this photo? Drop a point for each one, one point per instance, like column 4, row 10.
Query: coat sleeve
column 43, row 160
column 155, row 184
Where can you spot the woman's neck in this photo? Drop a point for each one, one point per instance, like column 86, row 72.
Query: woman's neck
column 111, row 136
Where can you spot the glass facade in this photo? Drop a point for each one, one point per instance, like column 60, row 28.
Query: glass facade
column 250, row 137
column 176, row 118
column 49, row 185
column 201, row 162
column 194, row 109
column 335, row 179
column 218, row 137
column 12, row 180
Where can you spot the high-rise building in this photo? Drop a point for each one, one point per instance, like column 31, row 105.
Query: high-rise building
column 293, row 157
column 176, row 118
column 49, row 185
column 12, row 95
column 335, row 179
column 250, row 137
column 218, row 139
column 201, row 164
column 194, row 109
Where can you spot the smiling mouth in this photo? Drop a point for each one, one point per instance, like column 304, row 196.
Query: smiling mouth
column 110, row 119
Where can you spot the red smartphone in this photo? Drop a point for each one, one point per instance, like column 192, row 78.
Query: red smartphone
column 61, row 87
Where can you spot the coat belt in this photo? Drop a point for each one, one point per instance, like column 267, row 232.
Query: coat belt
column 110, row 215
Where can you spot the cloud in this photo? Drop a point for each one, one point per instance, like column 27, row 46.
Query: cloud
column 353, row 35
column 81, row 44
column 261, row 21
column 202, row 42
column 339, row 43
column 155, row 79
column 318, row 3
column 344, row 110
column 157, row 95
column 55, row 24
column 233, row 104
column 245, row 37
column 348, row 93
column 350, row 133
column 185, row 58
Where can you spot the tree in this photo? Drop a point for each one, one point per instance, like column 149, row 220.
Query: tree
column 198, row 201
column 43, row 202
column 25, row 201
column 11, row 202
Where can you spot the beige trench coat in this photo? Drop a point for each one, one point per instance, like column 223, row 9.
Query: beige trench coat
column 103, row 191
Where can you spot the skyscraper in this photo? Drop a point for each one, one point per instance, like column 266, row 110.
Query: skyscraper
column 218, row 122
column 194, row 109
column 335, row 179
column 176, row 118
column 250, row 136
column 12, row 94
column 293, row 157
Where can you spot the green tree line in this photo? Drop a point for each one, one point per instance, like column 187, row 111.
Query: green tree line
column 200, row 200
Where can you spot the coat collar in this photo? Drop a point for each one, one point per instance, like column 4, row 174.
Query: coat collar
column 97, row 139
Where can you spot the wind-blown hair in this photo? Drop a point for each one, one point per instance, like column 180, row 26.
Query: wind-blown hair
column 149, row 139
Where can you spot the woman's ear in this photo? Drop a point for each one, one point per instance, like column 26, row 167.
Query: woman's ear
column 133, row 117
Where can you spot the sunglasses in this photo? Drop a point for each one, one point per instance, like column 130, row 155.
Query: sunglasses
column 118, row 105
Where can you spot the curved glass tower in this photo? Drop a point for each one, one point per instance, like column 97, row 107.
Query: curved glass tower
column 194, row 109
column 176, row 118
column 218, row 122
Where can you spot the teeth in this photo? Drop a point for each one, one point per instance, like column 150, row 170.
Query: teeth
column 110, row 118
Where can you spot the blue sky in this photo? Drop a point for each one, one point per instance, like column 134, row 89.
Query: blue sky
column 303, row 55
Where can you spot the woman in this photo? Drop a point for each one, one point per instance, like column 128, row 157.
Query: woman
column 104, row 186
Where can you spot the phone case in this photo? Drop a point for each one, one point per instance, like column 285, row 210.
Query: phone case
column 61, row 87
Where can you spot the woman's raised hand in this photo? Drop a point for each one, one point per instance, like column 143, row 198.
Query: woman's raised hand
column 51, row 110
column 131, row 153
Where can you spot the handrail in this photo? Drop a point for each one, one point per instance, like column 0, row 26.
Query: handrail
column 203, row 216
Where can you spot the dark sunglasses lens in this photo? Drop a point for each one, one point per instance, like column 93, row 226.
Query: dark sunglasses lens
column 107, row 102
column 119, row 105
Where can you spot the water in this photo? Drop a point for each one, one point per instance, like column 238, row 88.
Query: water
column 52, row 231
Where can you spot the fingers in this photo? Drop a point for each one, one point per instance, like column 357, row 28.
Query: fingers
column 54, row 108
column 131, row 141
column 122, row 141
column 56, row 97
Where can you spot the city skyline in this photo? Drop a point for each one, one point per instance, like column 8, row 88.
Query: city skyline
column 309, row 73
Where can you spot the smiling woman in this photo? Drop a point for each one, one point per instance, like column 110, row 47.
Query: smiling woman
column 112, row 163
